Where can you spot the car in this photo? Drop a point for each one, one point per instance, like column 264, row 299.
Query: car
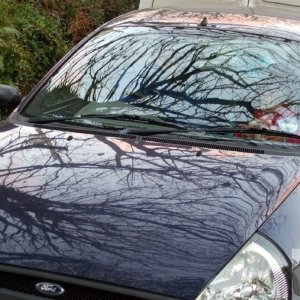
column 289, row 9
column 159, row 159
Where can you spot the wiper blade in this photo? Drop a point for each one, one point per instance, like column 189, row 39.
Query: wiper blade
column 51, row 120
column 141, row 119
column 146, row 132
column 253, row 130
column 119, row 117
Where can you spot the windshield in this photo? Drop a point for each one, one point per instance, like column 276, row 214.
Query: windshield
column 190, row 77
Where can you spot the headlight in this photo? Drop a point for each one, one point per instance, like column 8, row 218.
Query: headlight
column 258, row 272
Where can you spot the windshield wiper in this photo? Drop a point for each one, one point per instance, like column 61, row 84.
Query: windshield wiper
column 118, row 117
column 253, row 130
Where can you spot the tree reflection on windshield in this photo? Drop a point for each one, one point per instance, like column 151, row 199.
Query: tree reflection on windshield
column 194, row 78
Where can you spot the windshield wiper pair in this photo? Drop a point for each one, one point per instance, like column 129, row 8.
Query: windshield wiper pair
column 119, row 117
column 168, row 127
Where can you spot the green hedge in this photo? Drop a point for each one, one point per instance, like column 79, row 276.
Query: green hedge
column 35, row 34
column 30, row 42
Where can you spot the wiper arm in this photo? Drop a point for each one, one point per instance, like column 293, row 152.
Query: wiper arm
column 253, row 130
column 119, row 117
column 140, row 119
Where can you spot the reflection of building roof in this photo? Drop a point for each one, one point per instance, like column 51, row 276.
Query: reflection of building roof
column 273, row 26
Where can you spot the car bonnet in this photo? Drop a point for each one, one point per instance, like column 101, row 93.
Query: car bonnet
column 150, row 216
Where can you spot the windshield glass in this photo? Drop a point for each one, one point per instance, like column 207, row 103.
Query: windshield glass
column 191, row 77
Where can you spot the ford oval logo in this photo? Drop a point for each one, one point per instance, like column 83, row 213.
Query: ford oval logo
column 49, row 289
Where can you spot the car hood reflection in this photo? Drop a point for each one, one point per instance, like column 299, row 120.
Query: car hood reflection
column 145, row 215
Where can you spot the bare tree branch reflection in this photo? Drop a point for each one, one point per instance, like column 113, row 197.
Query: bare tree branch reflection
column 201, row 78
column 142, row 208
column 131, row 212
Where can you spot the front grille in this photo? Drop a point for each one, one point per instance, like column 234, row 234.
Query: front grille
column 26, row 284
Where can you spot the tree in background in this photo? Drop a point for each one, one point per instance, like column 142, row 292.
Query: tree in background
column 77, row 18
column 30, row 42
column 35, row 34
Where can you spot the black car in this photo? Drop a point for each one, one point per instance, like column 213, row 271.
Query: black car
column 158, row 160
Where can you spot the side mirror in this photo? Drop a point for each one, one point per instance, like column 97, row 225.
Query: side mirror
column 9, row 97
